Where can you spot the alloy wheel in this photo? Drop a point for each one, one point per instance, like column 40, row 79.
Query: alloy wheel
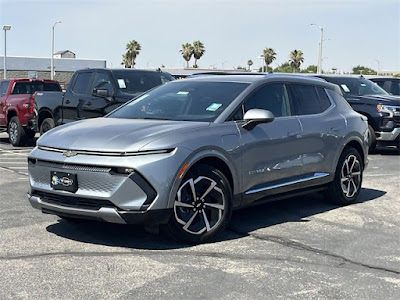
column 13, row 132
column 199, row 205
column 350, row 176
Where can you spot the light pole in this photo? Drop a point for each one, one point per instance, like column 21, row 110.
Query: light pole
column 319, row 69
column 52, row 51
column 5, row 28
column 377, row 71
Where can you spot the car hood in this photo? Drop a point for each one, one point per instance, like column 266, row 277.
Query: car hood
column 114, row 135
column 374, row 99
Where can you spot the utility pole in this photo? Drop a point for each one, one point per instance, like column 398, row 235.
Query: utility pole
column 52, row 51
column 319, row 68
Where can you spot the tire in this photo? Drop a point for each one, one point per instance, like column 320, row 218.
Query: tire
column 46, row 125
column 372, row 136
column 15, row 132
column 201, row 219
column 346, row 186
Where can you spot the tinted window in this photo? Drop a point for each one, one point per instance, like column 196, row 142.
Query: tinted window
column 102, row 81
column 380, row 83
column 395, row 88
column 21, row 88
column 3, row 88
column 45, row 86
column 272, row 97
column 306, row 99
column 356, row 86
column 323, row 98
column 183, row 101
column 81, row 84
column 138, row 82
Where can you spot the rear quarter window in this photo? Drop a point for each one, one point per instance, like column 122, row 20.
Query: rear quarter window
column 306, row 99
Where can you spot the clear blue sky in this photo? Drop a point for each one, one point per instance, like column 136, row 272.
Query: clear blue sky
column 233, row 31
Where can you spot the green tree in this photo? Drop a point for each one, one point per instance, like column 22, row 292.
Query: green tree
column 283, row 68
column 269, row 56
column 241, row 68
column 187, row 52
column 296, row 59
column 249, row 63
column 310, row 69
column 128, row 59
column 198, row 51
column 363, row 70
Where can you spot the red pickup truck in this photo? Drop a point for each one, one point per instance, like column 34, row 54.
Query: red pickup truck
column 17, row 106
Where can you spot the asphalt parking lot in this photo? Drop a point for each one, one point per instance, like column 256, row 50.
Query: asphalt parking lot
column 299, row 248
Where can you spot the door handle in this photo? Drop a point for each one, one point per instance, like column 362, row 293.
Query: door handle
column 89, row 103
column 67, row 102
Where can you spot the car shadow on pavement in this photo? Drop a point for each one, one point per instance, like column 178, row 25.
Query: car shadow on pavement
column 386, row 151
column 28, row 143
column 243, row 221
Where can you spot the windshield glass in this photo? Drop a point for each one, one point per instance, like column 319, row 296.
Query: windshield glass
column 183, row 101
column 358, row 86
column 139, row 82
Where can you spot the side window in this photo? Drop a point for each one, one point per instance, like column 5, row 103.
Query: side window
column 323, row 98
column 306, row 99
column 82, row 83
column 103, row 81
column 380, row 83
column 272, row 97
column 395, row 88
column 3, row 88
column 21, row 88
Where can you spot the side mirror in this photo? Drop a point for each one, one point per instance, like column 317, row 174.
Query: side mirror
column 103, row 93
column 255, row 116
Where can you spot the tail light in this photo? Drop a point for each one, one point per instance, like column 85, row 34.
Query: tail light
column 31, row 105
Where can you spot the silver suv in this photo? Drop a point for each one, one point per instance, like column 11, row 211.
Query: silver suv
column 186, row 154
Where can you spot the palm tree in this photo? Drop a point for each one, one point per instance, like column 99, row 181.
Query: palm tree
column 128, row 59
column 296, row 58
column 249, row 63
column 187, row 52
column 269, row 56
column 198, row 51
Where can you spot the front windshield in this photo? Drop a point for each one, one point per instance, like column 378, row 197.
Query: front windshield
column 358, row 86
column 183, row 101
column 139, row 82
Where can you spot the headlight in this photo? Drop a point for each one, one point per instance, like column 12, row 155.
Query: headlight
column 389, row 109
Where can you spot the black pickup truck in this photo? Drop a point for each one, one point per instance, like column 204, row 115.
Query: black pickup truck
column 381, row 109
column 93, row 93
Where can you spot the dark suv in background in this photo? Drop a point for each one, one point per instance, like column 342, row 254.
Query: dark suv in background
column 369, row 99
column 389, row 84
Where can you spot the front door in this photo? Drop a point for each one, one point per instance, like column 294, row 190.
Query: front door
column 270, row 151
column 76, row 97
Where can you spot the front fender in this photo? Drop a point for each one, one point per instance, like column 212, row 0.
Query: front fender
column 195, row 157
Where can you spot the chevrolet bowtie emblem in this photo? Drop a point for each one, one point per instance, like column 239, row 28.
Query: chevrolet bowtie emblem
column 69, row 153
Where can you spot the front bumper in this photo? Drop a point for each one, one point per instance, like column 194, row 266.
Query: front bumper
column 105, row 214
column 388, row 136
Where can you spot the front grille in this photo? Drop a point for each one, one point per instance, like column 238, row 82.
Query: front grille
column 73, row 167
column 74, row 202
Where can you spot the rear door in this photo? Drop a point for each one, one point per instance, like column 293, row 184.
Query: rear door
column 323, row 128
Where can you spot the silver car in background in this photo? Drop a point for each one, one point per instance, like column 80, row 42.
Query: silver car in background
column 185, row 154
